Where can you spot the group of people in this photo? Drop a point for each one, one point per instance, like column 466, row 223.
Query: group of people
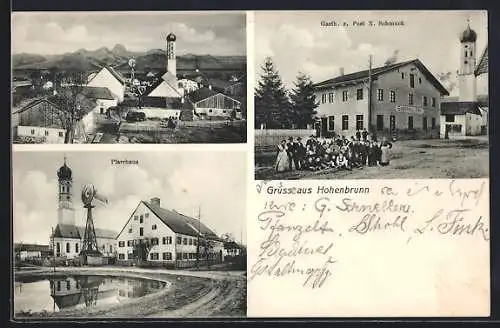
column 338, row 152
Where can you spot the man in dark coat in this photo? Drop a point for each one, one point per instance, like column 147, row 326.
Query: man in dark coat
column 365, row 135
column 290, row 152
column 358, row 135
column 299, row 154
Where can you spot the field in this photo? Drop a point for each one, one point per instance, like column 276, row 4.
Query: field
column 410, row 159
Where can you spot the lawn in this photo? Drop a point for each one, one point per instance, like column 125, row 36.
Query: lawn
column 413, row 159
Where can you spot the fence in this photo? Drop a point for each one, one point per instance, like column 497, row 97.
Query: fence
column 274, row 136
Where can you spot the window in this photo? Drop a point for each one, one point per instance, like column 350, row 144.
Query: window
column 433, row 102
column 46, row 133
column 76, row 248
column 101, row 110
column 179, row 240
column 184, row 256
column 359, row 122
column 32, row 131
column 209, row 110
column 167, row 256
column 121, row 243
column 331, row 123
column 345, row 122
column 465, row 62
column 68, row 249
column 331, row 96
column 392, row 122
column 195, row 242
column 410, row 99
column 111, row 248
column 345, row 95
column 154, row 256
column 167, row 240
column 68, row 285
column 380, row 94
column 58, row 249
column 154, row 241
column 412, row 81
column 141, row 231
column 424, row 123
column 393, row 96
column 58, row 285
column 153, row 227
column 178, row 256
column 433, row 122
column 450, row 118
column 185, row 241
column 403, row 75
column 130, row 230
column 420, row 80
column 224, row 111
column 130, row 243
column 470, row 53
column 425, row 101
column 141, row 219
column 410, row 122
column 136, row 217
column 323, row 98
column 190, row 241
column 380, row 122
column 359, row 94
column 465, row 53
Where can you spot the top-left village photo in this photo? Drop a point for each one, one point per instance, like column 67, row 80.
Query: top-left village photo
column 128, row 77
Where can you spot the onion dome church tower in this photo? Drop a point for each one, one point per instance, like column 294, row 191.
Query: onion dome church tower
column 65, row 211
column 466, row 76
column 171, row 60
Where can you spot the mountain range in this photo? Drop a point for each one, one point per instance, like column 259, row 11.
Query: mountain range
column 118, row 57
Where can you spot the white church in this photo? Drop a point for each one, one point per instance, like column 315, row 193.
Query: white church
column 67, row 237
column 467, row 115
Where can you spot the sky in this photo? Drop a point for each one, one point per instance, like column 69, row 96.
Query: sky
column 212, row 33
column 297, row 41
column 184, row 181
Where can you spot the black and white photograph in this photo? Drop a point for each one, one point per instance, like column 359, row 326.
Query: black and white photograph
column 128, row 77
column 371, row 95
column 129, row 235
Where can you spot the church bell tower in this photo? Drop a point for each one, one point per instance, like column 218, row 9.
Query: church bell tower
column 65, row 211
column 466, row 76
column 171, row 60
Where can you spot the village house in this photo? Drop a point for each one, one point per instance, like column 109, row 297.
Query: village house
column 102, row 96
column 66, row 240
column 169, row 237
column 109, row 78
column 25, row 252
column 47, row 118
column 210, row 104
column 404, row 100
column 467, row 115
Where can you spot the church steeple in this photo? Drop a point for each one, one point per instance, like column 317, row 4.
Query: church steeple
column 466, row 77
column 65, row 208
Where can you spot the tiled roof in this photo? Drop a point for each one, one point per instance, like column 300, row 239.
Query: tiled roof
column 482, row 66
column 28, row 103
column 482, row 100
column 460, row 108
column 30, row 247
column 77, row 232
column 363, row 75
column 180, row 223
column 97, row 93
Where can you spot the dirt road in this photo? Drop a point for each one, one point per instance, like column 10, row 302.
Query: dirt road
column 187, row 294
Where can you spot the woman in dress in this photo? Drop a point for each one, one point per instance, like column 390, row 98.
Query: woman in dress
column 384, row 152
column 281, row 164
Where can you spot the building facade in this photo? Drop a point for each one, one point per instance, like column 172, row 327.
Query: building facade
column 108, row 78
column 400, row 99
column 209, row 103
column 160, row 236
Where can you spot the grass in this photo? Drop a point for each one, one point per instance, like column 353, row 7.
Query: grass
column 415, row 159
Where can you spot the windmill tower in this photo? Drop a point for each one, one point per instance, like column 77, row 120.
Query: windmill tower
column 131, row 64
column 90, row 250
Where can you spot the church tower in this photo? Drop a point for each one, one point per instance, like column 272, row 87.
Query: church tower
column 65, row 211
column 171, row 60
column 466, row 77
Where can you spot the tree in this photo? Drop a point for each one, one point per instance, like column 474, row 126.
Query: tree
column 303, row 101
column 272, row 106
column 70, row 102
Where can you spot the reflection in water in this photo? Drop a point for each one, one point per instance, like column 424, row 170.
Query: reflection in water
column 62, row 293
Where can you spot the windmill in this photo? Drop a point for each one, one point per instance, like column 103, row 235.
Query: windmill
column 131, row 63
column 89, row 247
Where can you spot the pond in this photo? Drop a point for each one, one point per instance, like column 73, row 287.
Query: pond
column 63, row 293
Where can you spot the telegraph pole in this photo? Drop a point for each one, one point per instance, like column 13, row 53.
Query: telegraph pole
column 198, row 243
column 370, row 95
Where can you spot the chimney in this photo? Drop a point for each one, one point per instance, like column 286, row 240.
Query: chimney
column 341, row 71
column 155, row 201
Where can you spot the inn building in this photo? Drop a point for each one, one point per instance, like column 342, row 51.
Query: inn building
column 398, row 99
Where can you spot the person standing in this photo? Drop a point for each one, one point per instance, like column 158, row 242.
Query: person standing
column 385, row 152
column 365, row 135
column 298, row 153
column 290, row 150
column 358, row 135
column 281, row 163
